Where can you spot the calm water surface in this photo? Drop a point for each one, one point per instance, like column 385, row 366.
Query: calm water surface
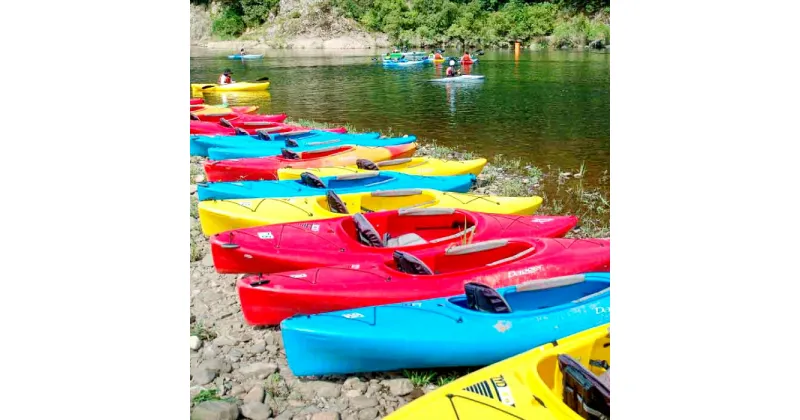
column 548, row 108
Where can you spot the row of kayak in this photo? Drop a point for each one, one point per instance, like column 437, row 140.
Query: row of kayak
column 353, row 246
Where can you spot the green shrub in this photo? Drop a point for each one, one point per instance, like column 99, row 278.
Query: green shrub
column 228, row 24
column 256, row 12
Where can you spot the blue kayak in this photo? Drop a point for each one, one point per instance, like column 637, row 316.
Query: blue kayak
column 246, row 56
column 199, row 144
column 311, row 185
column 403, row 63
column 300, row 145
column 479, row 328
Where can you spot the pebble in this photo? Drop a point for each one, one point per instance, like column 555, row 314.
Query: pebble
column 272, row 349
column 208, row 261
column 350, row 393
column 327, row 415
column 256, row 411
column 195, row 342
column 258, row 369
column 199, row 178
column 368, row 414
column 224, row 341
column 192, row 188
column 259, row 346
column 203, row 376
column 215, row 410
column 400, row 386
column 256, row 394
column 322, row 389
column 235, row 355
column 216, row 365
column 354, row 383
column 362, row 401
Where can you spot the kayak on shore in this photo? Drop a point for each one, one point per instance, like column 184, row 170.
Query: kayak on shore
column 500, row 322
column 339, row 241
column 200, row 143
column 580, row 361
column 412, row 166
column 406, row 277
column 235, row 117
column 310, row 185
column 211, row 128
column 267, row 148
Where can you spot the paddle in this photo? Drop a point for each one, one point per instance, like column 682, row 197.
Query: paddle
column 263, row 79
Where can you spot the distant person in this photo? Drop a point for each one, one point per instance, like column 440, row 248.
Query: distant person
column 241, row 52
column 225, row 78
column 451, row 71
column 437, row 56
column 466, row 58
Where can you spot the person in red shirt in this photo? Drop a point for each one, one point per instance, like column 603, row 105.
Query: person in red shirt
column 451, row 71
column 225, row 78
column 466, row 59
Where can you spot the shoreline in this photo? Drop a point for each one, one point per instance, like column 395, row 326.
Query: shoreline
column 244, row 368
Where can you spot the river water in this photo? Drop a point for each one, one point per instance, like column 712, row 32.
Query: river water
column 549, row 108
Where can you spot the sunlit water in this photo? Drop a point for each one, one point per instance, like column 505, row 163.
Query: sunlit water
column 547, row 108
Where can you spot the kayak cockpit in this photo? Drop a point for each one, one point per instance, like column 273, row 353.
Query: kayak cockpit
column 531, row 296
column 411, row 227
column 461, row 258
column 287, row 154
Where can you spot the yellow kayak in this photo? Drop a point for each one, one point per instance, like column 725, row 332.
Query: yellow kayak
column 222, row 215
column 233, row 87
column 411, row 166
column 529, row 385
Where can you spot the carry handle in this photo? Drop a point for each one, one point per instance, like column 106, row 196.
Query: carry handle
column 551, row 283
column 476, row 247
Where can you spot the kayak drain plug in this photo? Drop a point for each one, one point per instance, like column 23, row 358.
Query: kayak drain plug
column 259, row 283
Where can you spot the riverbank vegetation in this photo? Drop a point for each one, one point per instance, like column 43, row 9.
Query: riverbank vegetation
column 443, row 23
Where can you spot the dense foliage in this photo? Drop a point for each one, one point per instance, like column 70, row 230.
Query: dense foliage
column 560, row 23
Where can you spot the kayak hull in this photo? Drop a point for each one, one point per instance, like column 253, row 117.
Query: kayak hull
column 211, row 128
column 224, row 215
column 265, row 168
column 269, row 299
column 246, row 56
column 240, row 118
column 334, row 241
column 465, row 78
column 382, row 181
column 445, row 331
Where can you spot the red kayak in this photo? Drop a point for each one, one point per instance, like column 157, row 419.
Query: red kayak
column 266, row 168
column 233, row 119
column 196, row 101
column 363, row 237
column 425, row 274
column 232, row 110
column 211, row 128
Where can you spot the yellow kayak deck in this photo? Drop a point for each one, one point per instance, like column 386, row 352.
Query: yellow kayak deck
column 233, row 87
column 411, row 166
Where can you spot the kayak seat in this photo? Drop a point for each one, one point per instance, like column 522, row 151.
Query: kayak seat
column 292, row 143
column 483, row 298
column 335, row 203
column 367, row 234
column 367, row 165
column 288, row 154
column 410, row 264
column 584, row 392
column 311, row 180
column 407, row 239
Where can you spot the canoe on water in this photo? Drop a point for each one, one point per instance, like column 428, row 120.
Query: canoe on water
column 340, row 240
column 223, row 215
column 391, row 63
column 563, row 380
column 411, row 166
column 447, row 331
column 300, row 145
column 311, row 185
column 200, row 143
column 426, row 274
column 266, row 168
column 233, row 87
column 462, row 78
column 246, row 56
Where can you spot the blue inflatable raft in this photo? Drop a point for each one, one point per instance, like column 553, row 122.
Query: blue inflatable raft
column 311, row 185
column 478, row 328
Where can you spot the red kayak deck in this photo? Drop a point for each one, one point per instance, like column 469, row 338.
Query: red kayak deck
column 426, row 274
column 212, row 128
column 243, row 120
column 345, row 240
column 266, row 168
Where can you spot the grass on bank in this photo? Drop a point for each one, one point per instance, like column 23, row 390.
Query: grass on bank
column 438, row 377
column 210, row 395
column 200, row 331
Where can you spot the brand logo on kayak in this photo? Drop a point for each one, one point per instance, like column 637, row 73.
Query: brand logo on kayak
column 355, row 266
column 502, row 326
column 246, row 203
column 601, row 310
column 541, row 220
column 524, row 271
column 315, row 227
column 298, row 276
column 503, row 391
column 265, row 235
column 353, row 315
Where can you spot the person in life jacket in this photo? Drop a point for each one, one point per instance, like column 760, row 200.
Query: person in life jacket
column 466, row 58
column 451, row 71
column 437, row 56
column 225, row 78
